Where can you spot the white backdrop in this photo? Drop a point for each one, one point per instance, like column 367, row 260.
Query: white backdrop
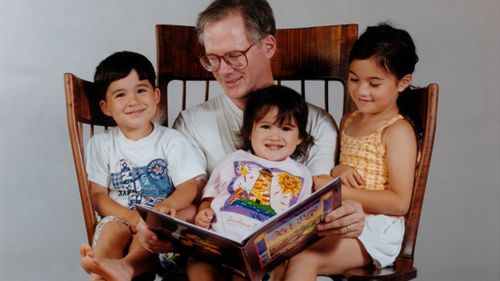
column 41, row 223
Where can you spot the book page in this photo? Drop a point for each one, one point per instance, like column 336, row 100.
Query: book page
column 295, row 230
column 194, row 240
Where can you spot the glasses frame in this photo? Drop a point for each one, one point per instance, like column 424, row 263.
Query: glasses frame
column 224, row 57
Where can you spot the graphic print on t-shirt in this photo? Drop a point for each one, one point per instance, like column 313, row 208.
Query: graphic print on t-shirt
column 146, row 185
column 259, row 192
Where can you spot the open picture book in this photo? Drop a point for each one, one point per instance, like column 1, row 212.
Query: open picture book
column 275, row 241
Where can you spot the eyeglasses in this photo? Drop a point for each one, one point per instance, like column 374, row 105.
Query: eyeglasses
column 235, row 59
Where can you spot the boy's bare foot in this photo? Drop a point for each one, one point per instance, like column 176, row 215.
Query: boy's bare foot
column 103, row 268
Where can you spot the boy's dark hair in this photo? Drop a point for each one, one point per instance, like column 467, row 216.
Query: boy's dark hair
column 289, row 104
column 393, row 48
column 257, row 15
column 118, row 66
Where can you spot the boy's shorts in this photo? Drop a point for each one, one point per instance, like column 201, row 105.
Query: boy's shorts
column 101, row 224
column 382, row 237
column 169, row 260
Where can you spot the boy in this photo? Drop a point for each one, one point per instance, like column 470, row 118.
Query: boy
column 137, row 162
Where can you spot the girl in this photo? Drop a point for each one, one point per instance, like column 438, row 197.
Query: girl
column 253, row 184
column 377, row 160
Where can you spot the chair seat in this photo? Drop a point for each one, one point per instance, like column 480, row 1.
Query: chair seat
column 388, row 273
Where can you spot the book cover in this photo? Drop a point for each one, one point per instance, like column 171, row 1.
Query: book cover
column 276, row 240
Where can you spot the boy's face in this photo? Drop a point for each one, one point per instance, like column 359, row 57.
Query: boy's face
column 132, row 104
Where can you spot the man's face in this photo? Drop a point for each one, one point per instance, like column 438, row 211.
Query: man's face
column 228, row 34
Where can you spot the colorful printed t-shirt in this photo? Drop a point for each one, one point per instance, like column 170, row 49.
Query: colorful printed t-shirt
column 248, row 190
column 144, row 171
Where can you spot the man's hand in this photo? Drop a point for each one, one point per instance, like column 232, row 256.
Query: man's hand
column 346, row 221
column 150, row 241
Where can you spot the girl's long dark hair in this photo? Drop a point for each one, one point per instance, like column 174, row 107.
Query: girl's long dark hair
column 394, row 52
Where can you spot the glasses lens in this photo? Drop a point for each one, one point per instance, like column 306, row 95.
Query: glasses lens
column 210, row 63
column 236, row 60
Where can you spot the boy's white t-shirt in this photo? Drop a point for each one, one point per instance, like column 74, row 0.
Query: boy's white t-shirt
column 248, row 190
column 144, row 171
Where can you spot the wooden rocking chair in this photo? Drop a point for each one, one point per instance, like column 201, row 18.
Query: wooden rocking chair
column 304, row 54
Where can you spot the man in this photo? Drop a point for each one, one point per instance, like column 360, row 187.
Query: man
column 238, row 51
column 238, row 37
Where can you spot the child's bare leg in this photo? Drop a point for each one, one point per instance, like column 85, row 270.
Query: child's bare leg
column 88, row 260
column 113, row 240
column 331, row 255
column 137, row 261
column 201, row 271
column 278, row 272
column 111, row 243
column 101, row 268
column 343, row 254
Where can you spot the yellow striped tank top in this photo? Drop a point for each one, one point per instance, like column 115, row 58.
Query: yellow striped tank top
column 366, row 154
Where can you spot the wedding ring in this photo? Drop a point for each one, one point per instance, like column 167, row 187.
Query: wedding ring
column 348, row 228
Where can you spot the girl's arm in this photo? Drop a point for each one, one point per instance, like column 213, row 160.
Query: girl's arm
column 106, row 206
column 337, row 145
column 205, row 204
column 401, row 148
column 348, row 175
column 205, row 215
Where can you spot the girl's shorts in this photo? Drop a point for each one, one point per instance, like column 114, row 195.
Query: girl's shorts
column 382, row 237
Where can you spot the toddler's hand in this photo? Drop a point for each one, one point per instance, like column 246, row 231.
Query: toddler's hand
column 348, row 176
column 320, row 181
column 204, row 218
